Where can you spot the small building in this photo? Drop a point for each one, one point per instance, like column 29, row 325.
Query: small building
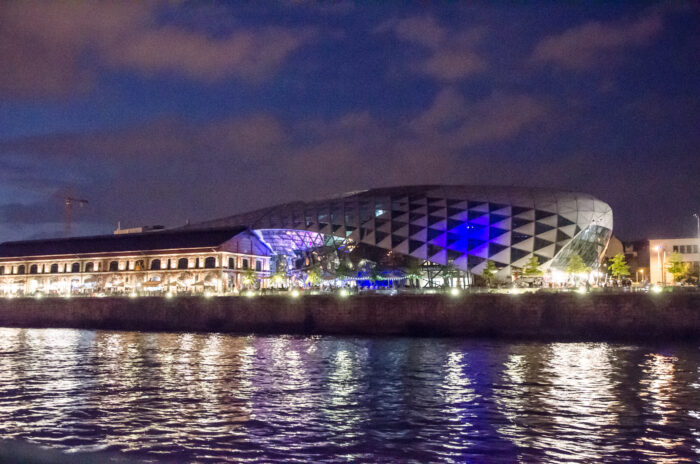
column 172, row 261
column 661, row 249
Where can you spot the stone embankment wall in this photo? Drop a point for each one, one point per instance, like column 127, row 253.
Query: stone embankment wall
column 568, row 316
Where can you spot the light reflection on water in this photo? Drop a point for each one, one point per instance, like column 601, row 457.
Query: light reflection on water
column 213, row 397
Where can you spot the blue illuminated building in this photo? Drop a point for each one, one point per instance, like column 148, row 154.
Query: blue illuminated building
column 462, row 225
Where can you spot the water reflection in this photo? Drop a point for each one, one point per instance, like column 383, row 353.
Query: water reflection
column 213, row 397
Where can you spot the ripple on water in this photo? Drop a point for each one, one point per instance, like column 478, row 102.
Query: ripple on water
column 213, row 398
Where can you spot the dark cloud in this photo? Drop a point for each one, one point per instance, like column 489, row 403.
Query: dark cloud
column 464, row 110
column 593, row 43
column 461, row 124
column 53, row 49
column 451, row 54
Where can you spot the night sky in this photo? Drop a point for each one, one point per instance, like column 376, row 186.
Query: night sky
column 163, row 112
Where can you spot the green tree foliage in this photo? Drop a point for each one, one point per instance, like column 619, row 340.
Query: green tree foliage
column 489, row 272
column 676, row 267
column 313, row 275
column 281, row 274
column 618, row 266
column 343, row 270
column 576, row 265
column 413, row 271
column 374, row 275
column 249, row 277
column 532, row 267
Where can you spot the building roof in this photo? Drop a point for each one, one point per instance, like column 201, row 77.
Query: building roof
column 148, row 241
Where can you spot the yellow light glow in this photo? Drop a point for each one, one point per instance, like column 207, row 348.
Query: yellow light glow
column 581, row 290
column 343, row 293
column 250, row 294
column 656, row 289
column 169, row 295
column 454, row 292
column 295, row 293
column 207, row 294
column 133, row 295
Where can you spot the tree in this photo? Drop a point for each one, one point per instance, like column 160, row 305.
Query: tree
column 413, row 271
column 618, row 266
column 313, row 275
column 374, row 275
column 532, row 267
column 343, row 270
column 576, row 265
column 489, row 272
column 279, row 277
column 676, row 267
column 249, row 277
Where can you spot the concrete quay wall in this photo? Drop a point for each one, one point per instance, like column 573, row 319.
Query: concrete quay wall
column 567, row 316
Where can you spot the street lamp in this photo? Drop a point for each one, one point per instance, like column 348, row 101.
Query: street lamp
column 638, row 272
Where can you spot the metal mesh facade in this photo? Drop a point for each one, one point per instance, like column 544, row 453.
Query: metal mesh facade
column 466, row 225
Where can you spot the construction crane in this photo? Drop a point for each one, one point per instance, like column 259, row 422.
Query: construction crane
column 70, row 201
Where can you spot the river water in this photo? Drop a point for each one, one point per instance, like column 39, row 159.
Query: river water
column 214, row 397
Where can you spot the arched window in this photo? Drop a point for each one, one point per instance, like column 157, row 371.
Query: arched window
column 89, row 267
column 231, row 263
column 113, row 266
column 21, row 269
column 155, row 265
column 33, row 269
column 245, row 264
column 54, row 268
column 182, row 263
column 258, row 266
column 210, row 262
column 138, row 265
column 75, row 268
column 2, row 269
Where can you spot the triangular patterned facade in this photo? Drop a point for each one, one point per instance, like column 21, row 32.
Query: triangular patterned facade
column 464, row 225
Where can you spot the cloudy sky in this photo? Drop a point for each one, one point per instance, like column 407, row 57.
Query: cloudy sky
column 162, row 112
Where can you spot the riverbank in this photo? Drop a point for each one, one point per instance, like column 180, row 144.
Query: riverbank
column 567, row 316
